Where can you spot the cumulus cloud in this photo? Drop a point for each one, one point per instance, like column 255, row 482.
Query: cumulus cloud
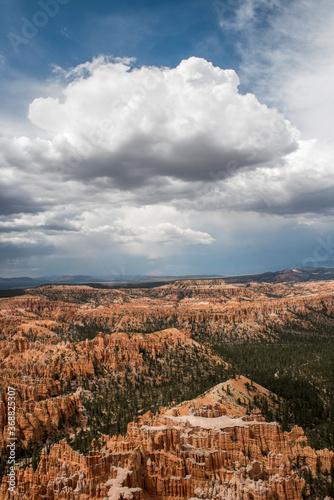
column 133, row 124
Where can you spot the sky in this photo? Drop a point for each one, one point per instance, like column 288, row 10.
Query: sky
column 166, row 137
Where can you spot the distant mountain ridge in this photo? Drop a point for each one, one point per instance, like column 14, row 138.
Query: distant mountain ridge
column 298, row 275
column 286, row 275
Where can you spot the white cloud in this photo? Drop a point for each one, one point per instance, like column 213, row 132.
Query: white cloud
column 237, row 15
column 163, row 233
column 152, row 231
column 132, row 124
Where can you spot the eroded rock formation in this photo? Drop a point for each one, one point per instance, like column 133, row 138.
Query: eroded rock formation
column 56, row 338
column 197, row 450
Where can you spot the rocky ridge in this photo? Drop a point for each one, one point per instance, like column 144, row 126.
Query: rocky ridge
column 200, row 449
column 232, row 311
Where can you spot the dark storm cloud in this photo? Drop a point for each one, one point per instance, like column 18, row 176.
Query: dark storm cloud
column 11, row 250
column 317, row 201
column 14, row 200
column 134, row 165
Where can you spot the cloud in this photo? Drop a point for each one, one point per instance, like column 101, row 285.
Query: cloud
column 15, row 197
column 149, row 163
column 300, row 183
column 15, row 201
column 145, row 230
column 161, row 233
column 151, row 136
column 23, row 247
column 133, row 124
column 239, row 14
column 287, row 58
